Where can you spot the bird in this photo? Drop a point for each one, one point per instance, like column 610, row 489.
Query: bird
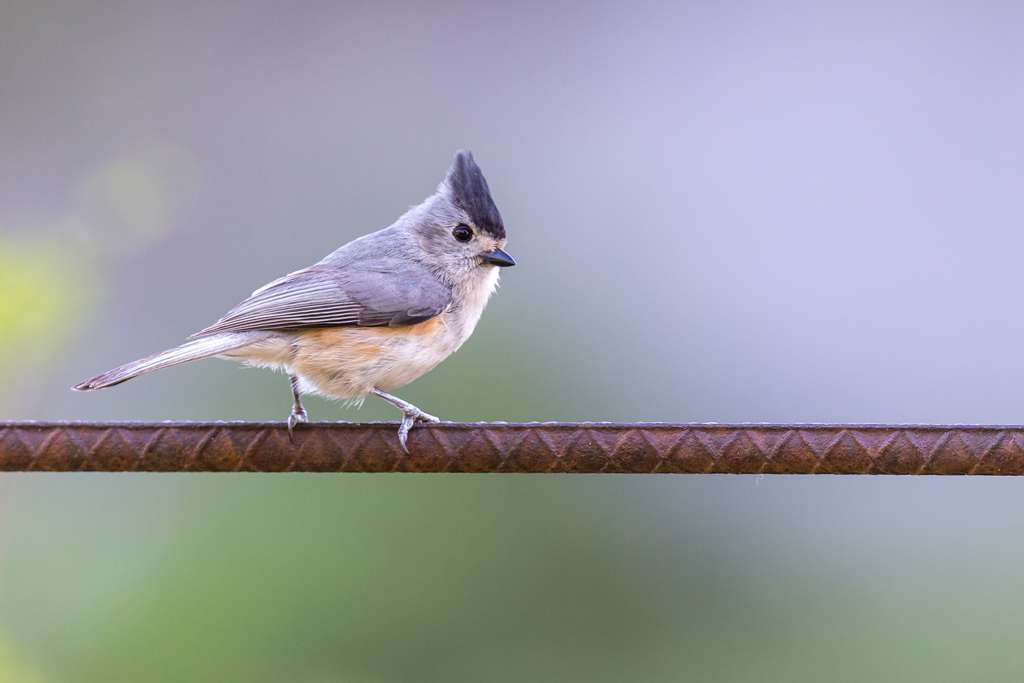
column 372, row 316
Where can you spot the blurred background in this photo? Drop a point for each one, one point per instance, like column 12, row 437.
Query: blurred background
column 731, row 212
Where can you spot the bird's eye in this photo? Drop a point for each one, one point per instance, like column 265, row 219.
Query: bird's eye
column 462, row 233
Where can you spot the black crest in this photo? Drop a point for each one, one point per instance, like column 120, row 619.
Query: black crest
column 471, row 194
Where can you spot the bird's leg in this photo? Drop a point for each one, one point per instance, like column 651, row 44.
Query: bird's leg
column 412, row 414
column 298, row 412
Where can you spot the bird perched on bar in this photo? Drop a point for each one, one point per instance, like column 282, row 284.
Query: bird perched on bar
column 374, row 315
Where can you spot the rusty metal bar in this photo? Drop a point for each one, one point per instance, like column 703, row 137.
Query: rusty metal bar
column 502, row 447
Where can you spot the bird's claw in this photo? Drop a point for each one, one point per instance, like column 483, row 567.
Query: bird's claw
column 297, row 417
column 410, row 418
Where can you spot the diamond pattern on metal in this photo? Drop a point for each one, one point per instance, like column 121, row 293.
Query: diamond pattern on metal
column 501, row 447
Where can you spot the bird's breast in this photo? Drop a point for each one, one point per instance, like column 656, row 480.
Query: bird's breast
column 346, row 362
column 343, row 362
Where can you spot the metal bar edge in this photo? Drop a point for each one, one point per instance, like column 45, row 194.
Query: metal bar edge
column 506, row 447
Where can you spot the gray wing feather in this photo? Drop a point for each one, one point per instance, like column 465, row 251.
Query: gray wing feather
column 384, row 292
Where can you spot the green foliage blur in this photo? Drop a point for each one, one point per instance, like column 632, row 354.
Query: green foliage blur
column 46, row 291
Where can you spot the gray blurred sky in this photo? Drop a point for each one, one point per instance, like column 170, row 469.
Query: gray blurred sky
column 731, row 212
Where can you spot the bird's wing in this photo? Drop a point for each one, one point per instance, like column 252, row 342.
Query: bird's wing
column 385, row 292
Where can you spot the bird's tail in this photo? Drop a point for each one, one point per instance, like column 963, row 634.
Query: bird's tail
column 193, row 350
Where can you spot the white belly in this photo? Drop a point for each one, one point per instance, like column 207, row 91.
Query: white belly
column 347, row 362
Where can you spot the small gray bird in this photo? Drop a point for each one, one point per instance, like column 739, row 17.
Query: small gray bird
column 374, row 315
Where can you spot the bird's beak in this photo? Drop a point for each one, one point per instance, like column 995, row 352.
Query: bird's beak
column 498, row 258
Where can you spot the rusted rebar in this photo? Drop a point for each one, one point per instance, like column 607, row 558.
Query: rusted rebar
column 501, row 447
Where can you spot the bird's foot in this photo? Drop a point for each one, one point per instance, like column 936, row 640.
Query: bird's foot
column 411, row 412
column 297, row 417
column 411, row 417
